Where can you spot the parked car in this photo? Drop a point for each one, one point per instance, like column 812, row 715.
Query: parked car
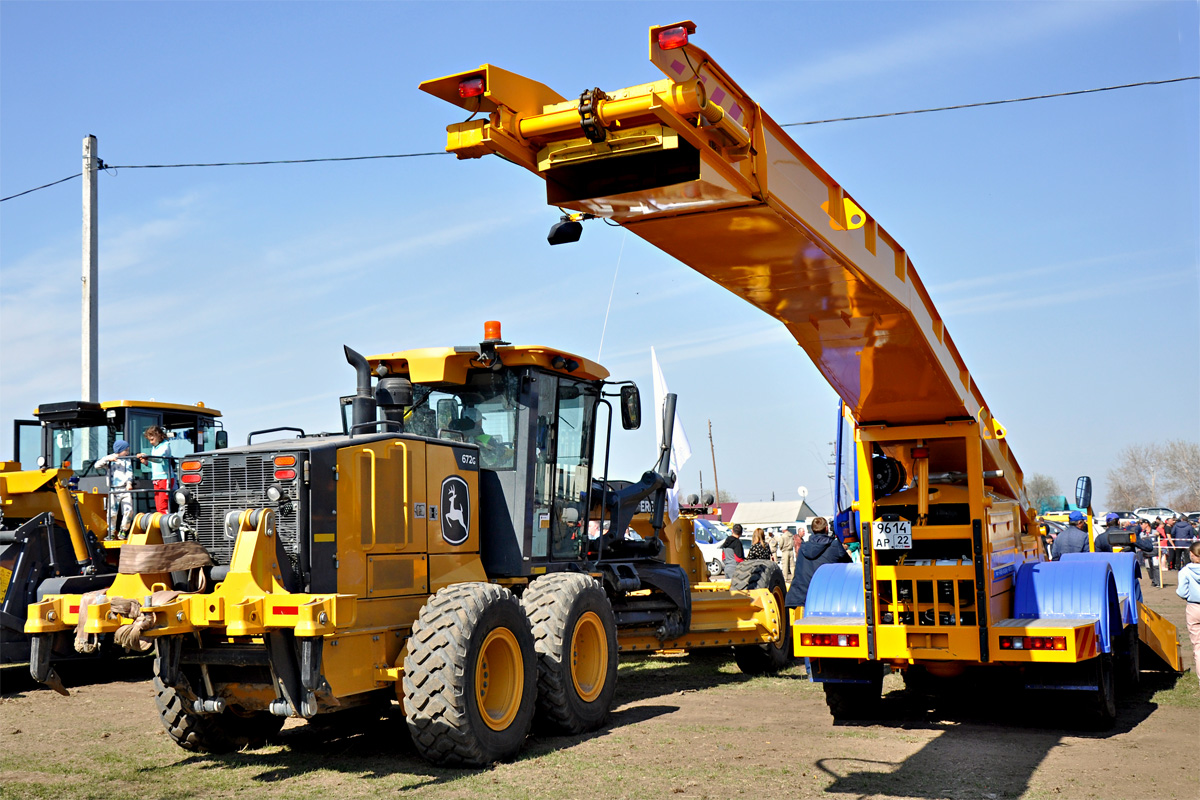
column 1156, row 511
column 709, row 535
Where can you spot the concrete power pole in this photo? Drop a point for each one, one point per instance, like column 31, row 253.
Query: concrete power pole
column 713, row 450
column 91, row 260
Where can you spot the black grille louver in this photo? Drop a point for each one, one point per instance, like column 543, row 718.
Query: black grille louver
column 232, row 482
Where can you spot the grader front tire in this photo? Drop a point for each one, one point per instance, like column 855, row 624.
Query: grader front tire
column 470, row 676
column 575, row 634
column 759, row 659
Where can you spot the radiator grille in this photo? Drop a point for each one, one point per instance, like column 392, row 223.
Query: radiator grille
column 232, row 482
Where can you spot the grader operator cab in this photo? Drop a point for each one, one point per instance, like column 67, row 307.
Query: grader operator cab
column 55, row 505
column 454, row 550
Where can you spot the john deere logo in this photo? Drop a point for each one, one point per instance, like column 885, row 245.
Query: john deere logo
column 456, row 510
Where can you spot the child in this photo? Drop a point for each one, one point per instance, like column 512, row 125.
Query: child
column 1189, row 590
column 120, row 482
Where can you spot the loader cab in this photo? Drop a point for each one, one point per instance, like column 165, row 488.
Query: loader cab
column 533, row 415
column 75, row 434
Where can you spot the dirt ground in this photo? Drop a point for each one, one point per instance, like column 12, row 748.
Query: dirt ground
column 686, row 727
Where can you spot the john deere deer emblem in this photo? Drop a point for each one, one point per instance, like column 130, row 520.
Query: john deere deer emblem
column 456, row 510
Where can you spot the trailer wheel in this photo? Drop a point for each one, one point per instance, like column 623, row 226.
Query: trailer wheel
column 1104, row 701
column 575, row 635
column 854, row 701
column 226, row 732
column 757, row 659
column 1131, row 661
column 470, row 676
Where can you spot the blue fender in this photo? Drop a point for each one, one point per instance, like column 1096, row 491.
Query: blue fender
column 836, row 590
column 1126, row 572
column 1070, row 589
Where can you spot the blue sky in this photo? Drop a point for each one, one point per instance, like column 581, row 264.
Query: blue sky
column 1059, row 238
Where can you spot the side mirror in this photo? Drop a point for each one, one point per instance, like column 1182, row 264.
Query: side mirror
column 222, row 440
column 631, row 407
column 1083, row 492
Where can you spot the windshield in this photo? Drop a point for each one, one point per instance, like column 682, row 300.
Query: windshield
column 482, row 411
column 78, row 448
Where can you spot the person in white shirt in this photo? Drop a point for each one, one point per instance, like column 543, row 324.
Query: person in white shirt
column 119, row 465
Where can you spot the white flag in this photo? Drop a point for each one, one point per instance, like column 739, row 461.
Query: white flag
column 681, row 449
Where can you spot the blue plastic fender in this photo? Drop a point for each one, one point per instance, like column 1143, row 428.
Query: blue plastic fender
column 1071, row 589
column 836, row 590
column 1126, row 572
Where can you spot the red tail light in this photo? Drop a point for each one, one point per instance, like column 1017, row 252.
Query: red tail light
column 672, row 38
column 1033, row 643
column 919, row 452
column 471, row 87
column 829, row 639
column 285, row 474
column 190, row 477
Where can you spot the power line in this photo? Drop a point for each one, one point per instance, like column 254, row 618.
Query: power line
column 283, row 161
column 231, row 164
column 784, row 125
column 43, row 186
column 991, row 102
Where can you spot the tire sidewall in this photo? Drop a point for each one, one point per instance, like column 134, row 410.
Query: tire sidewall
column 591, row 599
column 495, row 744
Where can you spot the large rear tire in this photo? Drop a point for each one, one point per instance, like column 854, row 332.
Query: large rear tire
column 226, row 732
column 470, row 676
column 759, row 659
column 575, row 635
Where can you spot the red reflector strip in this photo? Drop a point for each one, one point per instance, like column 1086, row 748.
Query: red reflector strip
column 471, row 87
column 72, row 609
column 286, row 609
column 190, row 477
column 285, row 474
column 673, row 38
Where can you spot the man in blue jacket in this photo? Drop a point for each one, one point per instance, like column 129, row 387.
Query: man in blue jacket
column 820, row 547
column 1182, row 535
column 1074, row 538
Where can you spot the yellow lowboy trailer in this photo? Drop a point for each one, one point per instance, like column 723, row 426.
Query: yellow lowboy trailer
column 454, row 550
column 952, row 575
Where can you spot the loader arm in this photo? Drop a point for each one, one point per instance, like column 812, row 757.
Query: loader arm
column 695, row 167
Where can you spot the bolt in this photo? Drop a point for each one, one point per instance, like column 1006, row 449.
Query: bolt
column 179, row 616
column 323, row 618
column 51, row 616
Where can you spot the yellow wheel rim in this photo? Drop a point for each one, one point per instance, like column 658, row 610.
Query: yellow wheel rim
column 589, row 657
column 499, row 679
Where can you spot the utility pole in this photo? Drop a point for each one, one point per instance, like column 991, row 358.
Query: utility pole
column 702, row 484
column 711, row 449
column 91, row 259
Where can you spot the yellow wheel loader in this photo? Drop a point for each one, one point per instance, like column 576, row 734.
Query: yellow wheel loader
column 55, row 519
column 454, row 550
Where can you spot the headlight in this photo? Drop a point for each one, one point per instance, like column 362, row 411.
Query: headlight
column 182, row 498
column 274, row 493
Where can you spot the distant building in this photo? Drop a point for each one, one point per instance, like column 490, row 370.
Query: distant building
column 770, row 515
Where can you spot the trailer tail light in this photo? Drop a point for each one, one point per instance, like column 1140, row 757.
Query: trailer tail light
column 1033, row 643
column 285, row 474
column 829, row 639
column 190, row 477
column 919, row 452
column 673, row 38
column 471, row 87
column 285, row 461
column 189, row 466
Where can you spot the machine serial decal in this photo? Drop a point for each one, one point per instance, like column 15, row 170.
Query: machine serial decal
column 468, row 460
column 456, row 510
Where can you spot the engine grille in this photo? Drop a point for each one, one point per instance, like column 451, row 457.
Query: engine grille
column 232, row 482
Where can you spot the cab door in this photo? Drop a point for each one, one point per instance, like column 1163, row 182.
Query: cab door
column 562, row 467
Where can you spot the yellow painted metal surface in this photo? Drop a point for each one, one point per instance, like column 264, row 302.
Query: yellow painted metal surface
column 1160, row 635
column 196, row 408
column 444, row 365
column 748, row 208
column 719, row 617
column 447, row 569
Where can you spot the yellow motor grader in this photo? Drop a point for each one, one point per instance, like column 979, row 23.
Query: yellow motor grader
column 454, row 550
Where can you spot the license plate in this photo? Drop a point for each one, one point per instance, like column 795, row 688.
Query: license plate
column 891, row 535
